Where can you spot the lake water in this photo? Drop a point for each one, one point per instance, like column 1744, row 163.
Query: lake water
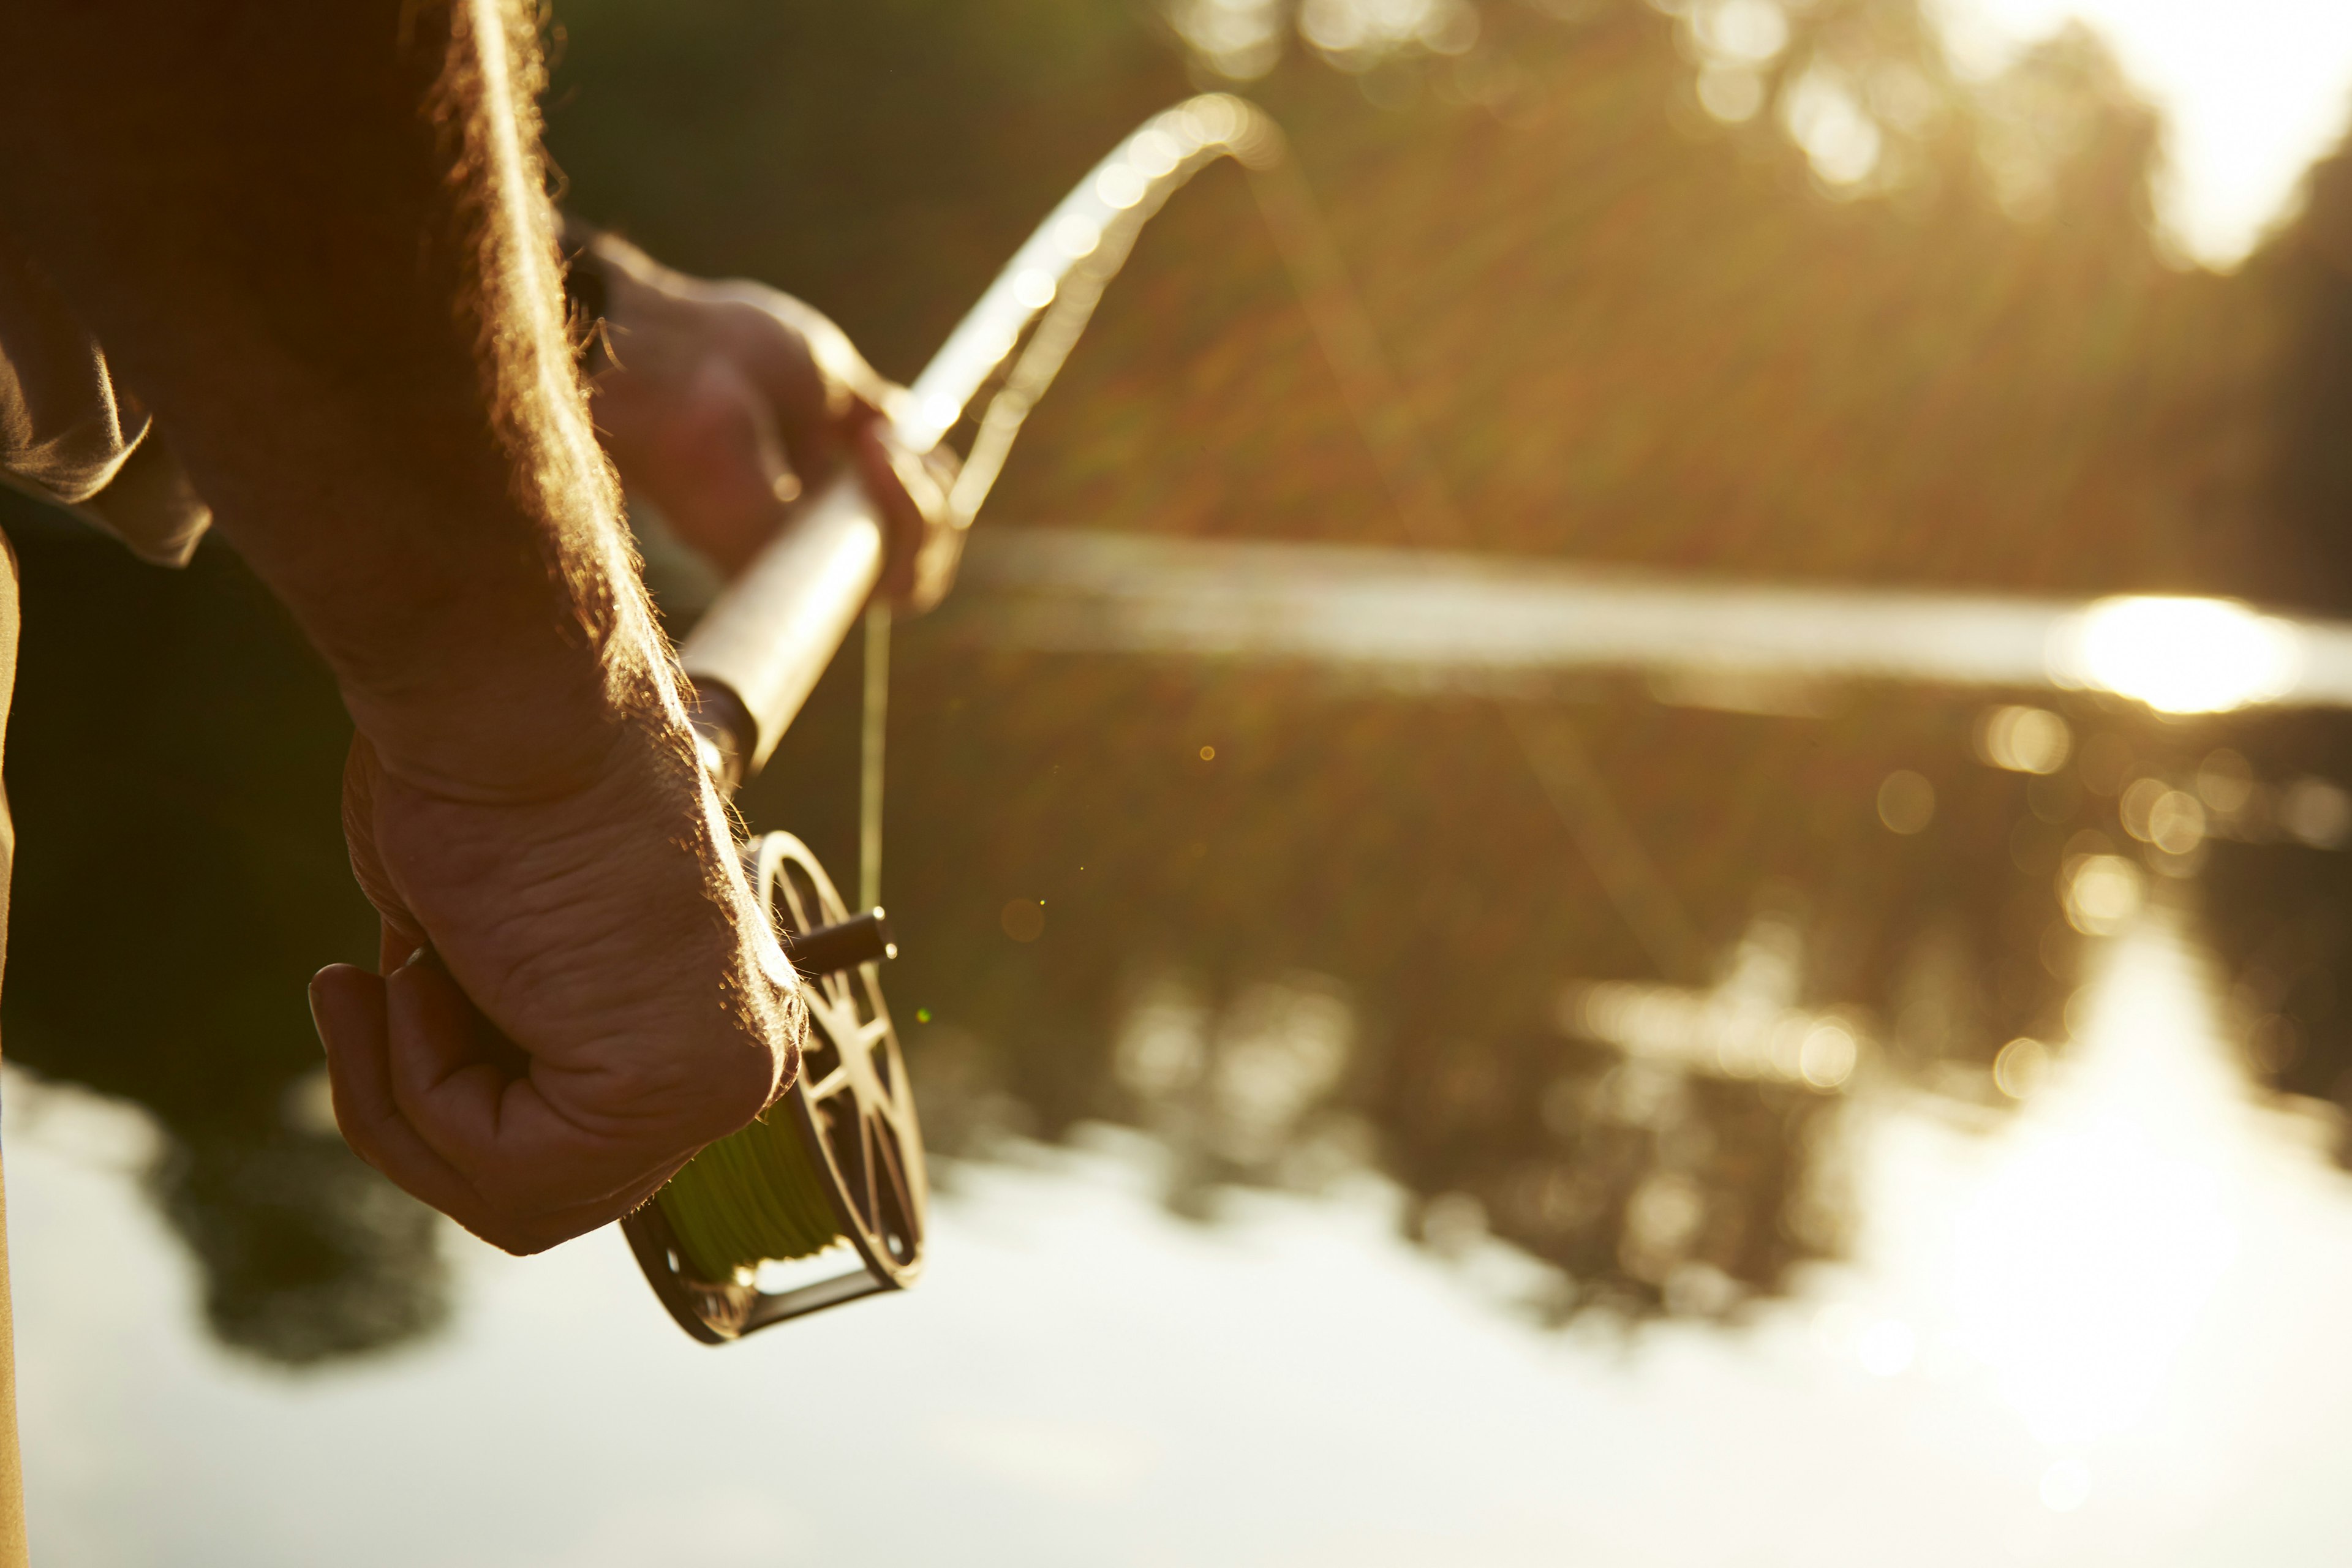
column 2104, row 1328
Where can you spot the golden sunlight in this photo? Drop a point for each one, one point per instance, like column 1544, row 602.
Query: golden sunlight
column 2252, row 93
column 2179, row 655
column 2080, row 1269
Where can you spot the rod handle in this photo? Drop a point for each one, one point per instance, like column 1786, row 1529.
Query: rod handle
column 757, row 653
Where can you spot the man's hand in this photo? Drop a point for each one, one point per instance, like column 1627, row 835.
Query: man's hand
column 647, row 1008
column 722, row 403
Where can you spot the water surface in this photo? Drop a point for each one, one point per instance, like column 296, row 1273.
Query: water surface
column 2104, row 1328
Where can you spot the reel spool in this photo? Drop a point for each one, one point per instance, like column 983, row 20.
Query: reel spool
column 839, row 1157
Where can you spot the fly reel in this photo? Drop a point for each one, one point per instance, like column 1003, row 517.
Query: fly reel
column 839, row 1158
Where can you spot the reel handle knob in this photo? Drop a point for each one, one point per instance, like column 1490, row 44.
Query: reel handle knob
column 829, row 950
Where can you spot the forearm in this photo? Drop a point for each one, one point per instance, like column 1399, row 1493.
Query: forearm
column 315, row 242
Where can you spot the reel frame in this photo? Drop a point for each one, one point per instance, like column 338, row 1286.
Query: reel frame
column 852, row 1105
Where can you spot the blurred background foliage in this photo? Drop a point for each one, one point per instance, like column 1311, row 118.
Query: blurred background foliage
column 1727, row 287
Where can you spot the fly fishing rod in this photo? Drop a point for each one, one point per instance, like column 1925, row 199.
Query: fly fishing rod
column 839, row 1158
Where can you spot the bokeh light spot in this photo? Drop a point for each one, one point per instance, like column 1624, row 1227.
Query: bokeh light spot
column 1827, row 1057
column 2225, row 780
column 1752, row 30
column 1024, row 919
column 1119, row 186
column 1906, row 802
column 2024, row 739
column 2103, row 892
column 2176, row 824
column 2317, row 812
column 2021, row 1068
column 1033, row 288
column 1828, row 122
column 1732, row 94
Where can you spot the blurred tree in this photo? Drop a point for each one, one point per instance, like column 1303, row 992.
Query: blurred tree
column 2282, row 916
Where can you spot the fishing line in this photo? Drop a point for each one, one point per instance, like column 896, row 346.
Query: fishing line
column 874, row 731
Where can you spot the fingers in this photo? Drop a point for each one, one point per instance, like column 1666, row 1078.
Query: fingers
column 810, row 369
column 348, row 1006
column 471, row 1096
column 732, row 399
column 449, row 1072
column 724, row 432
column 922, row 540
column 419, row 1095
column 707, row 449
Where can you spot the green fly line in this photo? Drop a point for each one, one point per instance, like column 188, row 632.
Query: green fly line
column 752, row 1197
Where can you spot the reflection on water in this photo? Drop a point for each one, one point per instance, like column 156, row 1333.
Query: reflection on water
column 2073, row 1271
column 307, row 1254
column 1590, row 973
column 2101, row 1328
column 175, row 768
column 2078, row 1271
column 1747, row 1026
column 1871, row 887
column 1423, row 618
column 2188, row 656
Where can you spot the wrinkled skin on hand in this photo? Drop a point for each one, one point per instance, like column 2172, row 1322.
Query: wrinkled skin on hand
column 600, row 998
column 722, row 403
column 578, row 990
